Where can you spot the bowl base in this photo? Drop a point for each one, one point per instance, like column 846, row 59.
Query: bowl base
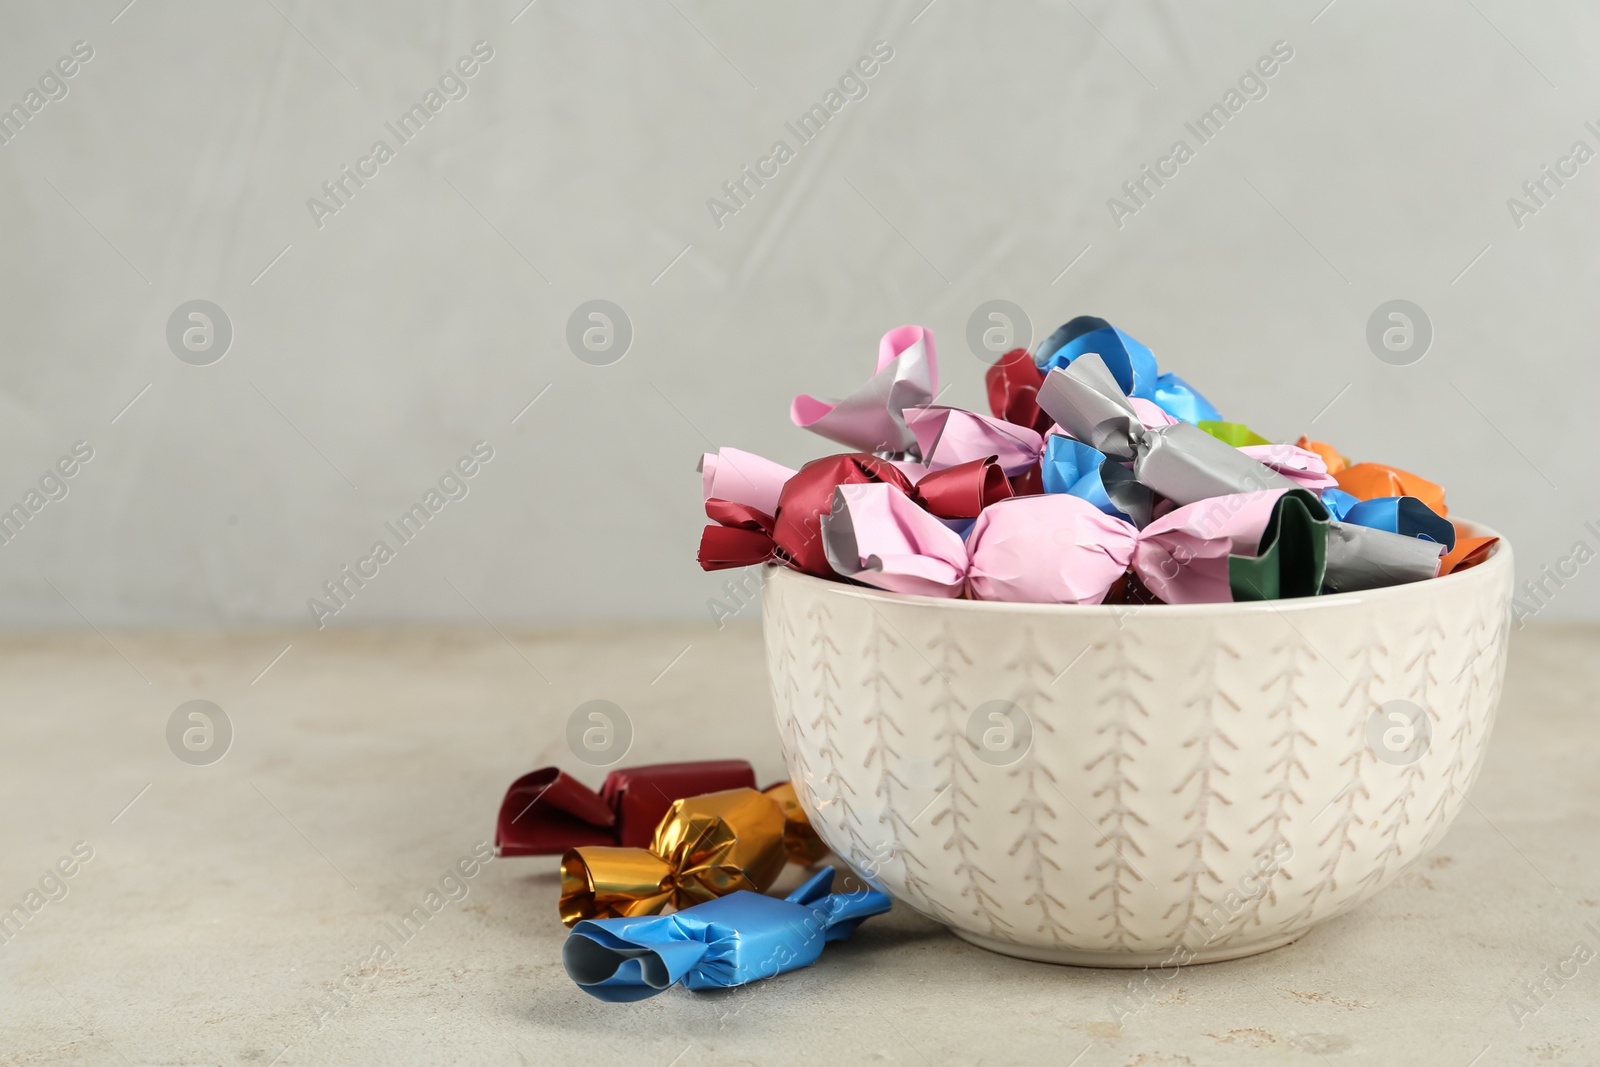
column 1073, row 957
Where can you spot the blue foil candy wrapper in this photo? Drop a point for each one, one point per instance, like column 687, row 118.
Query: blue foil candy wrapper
column 735, row 939
column 1180, row 400
column 1072, row 467
column 1338, row 502
column 1132, row 364
column 1068, row 331
column 1404, row 515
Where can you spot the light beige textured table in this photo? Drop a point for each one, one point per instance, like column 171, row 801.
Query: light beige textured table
column 223, row 905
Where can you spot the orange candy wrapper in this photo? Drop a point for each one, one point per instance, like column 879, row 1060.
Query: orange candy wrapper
column 704, row 848
column 1369, row 481
column 1469, row 551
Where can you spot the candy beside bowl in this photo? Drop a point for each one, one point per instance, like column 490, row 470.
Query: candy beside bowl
column 1122, row 786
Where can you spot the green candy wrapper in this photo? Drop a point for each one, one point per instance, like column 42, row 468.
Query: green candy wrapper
column 1292, row 557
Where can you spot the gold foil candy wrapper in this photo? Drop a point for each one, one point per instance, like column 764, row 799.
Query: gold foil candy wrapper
column 802, row 842
column 705, row 847
column 608, row 882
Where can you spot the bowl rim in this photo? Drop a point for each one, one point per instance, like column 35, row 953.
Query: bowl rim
column 1499, row 561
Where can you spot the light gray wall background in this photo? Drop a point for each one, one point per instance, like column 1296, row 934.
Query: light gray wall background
column 369, row 354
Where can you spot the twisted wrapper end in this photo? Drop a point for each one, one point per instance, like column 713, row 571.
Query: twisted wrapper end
column 736, row 939
column 872, row 419
column 546, row 812
column 603, row 882
column 631, row 963
column 1180, row 461
column 1086, row 401
column 704, row 848
column 722, row 842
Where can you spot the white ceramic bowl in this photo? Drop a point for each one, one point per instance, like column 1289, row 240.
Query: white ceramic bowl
column 1202, row 782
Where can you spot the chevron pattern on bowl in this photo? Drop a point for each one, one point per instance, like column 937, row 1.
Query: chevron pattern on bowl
column 1202, row 782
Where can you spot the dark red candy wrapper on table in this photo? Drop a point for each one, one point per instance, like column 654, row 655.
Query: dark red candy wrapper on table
column 546, row 812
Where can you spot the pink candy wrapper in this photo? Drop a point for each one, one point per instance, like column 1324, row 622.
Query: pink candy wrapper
column 744, row 478
column 1055, row 548
column 948, row 437
column 872, row 419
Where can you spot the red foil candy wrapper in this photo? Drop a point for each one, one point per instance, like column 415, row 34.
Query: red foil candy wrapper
column 809, row 494
column 1013, row 384
column 546, row 812
column 962, row 491
column 1029, row 483
column 741, row 535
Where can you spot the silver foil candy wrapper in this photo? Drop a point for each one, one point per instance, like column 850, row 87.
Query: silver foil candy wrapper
column 1185, row 464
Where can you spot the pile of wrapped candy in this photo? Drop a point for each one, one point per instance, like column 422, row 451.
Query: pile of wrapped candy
column 1097, row 479
column 695, row 837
